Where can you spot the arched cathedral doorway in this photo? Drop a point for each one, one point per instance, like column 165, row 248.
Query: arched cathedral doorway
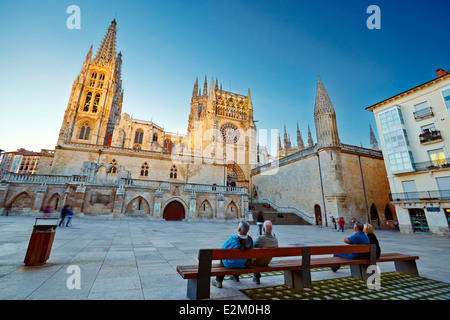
column 174, row 211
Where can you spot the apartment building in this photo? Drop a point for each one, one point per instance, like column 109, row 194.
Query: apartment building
column 414, row 133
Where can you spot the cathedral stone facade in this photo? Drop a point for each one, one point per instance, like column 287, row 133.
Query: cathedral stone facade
column 328, row 178
column 107, row 163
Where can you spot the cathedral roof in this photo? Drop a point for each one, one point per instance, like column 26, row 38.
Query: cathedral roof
column 323, row 103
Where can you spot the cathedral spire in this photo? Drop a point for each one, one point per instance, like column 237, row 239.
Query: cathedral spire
column 373, row 140
column 106, row 54
column 205, row 86
column 195, row 91
column 310, row 139
column 212, row 91
column 325, row 118
column 286, row 143
column 300, row 143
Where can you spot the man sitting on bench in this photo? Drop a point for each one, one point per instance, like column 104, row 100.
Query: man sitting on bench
column 240, row 241
column 358, row 238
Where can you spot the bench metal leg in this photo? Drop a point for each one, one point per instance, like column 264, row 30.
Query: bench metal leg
column 198, row 289
column 407, row 266
column 296, row 280
column 359, row 271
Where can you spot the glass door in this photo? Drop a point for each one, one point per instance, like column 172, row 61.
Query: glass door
column 418, row 220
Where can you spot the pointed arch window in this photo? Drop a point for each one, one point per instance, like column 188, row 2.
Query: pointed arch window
column 84, row 132
column 87, row 102
column 93, row 78
column 139, row 135
column 173, row 172
column 96, row 102
column 144, row 169
column 113, row 169
column 101, row 79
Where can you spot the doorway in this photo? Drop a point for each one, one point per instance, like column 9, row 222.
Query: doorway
column 174, row 211
column 318, row 214
column 418, row 220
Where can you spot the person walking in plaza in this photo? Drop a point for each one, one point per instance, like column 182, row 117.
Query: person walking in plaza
column 359, row 237
column 259, row 222
column 266, row 240
column 63, row 214
column 341, row 224
column 240, row 241
column 370, row 232
column 333, row 221
column 69, row 216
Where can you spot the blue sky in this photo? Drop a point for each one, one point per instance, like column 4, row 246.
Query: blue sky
column 275, row 48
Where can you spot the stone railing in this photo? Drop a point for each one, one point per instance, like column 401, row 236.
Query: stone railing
column 41, row 178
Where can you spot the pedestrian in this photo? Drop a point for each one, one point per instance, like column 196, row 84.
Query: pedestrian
column 240, row 241
column 259, row 222
column 341, row 224
column 48, row 211
column 266, row 240
column 333, row 220
column 358, row 238
column 69, row 216
column 64, row 210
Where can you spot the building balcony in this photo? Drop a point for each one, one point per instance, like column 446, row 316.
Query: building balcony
column 430, row 136
column 432, row 165
column 435, row 195
column 423, row 113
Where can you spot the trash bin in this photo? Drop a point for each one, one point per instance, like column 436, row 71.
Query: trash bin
column 41, row 241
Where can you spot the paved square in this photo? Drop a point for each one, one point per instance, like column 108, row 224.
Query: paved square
column 135, row 259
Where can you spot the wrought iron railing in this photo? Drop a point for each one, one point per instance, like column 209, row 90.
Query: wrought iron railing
column 432, row 165
column 423, row 113
column 420, row 195
column 430, row 136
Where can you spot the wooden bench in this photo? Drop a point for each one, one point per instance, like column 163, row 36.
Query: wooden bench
column 297, row 272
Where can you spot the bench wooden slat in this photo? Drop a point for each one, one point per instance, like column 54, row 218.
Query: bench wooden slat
column 226, row 254
column 354, row 248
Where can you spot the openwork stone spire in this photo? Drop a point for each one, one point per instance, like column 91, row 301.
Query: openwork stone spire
column 323, row 103
column 373, row 140
column 106, row 54
column 325, row 119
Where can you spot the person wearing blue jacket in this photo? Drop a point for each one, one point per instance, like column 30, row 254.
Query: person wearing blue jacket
column 240, row 241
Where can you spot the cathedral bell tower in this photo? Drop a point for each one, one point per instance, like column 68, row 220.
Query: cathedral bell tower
column 221, row 127
column 329, row 153
column 95, row 103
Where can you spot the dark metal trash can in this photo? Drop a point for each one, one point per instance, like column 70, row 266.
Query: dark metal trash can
column 41, row 241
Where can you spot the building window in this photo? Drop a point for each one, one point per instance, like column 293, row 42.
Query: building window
column 100, row 81
column 84, row 132
column 113, row 169
column 138, row 137
column 144, row 170
column 168, row 146
column 87, row 102
column 422, row 111
column 396, row 140
column 437, row 157
column 173, row 172
column 155, row 137
column 93, row 77
column 446, row 96
column 96, row 102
